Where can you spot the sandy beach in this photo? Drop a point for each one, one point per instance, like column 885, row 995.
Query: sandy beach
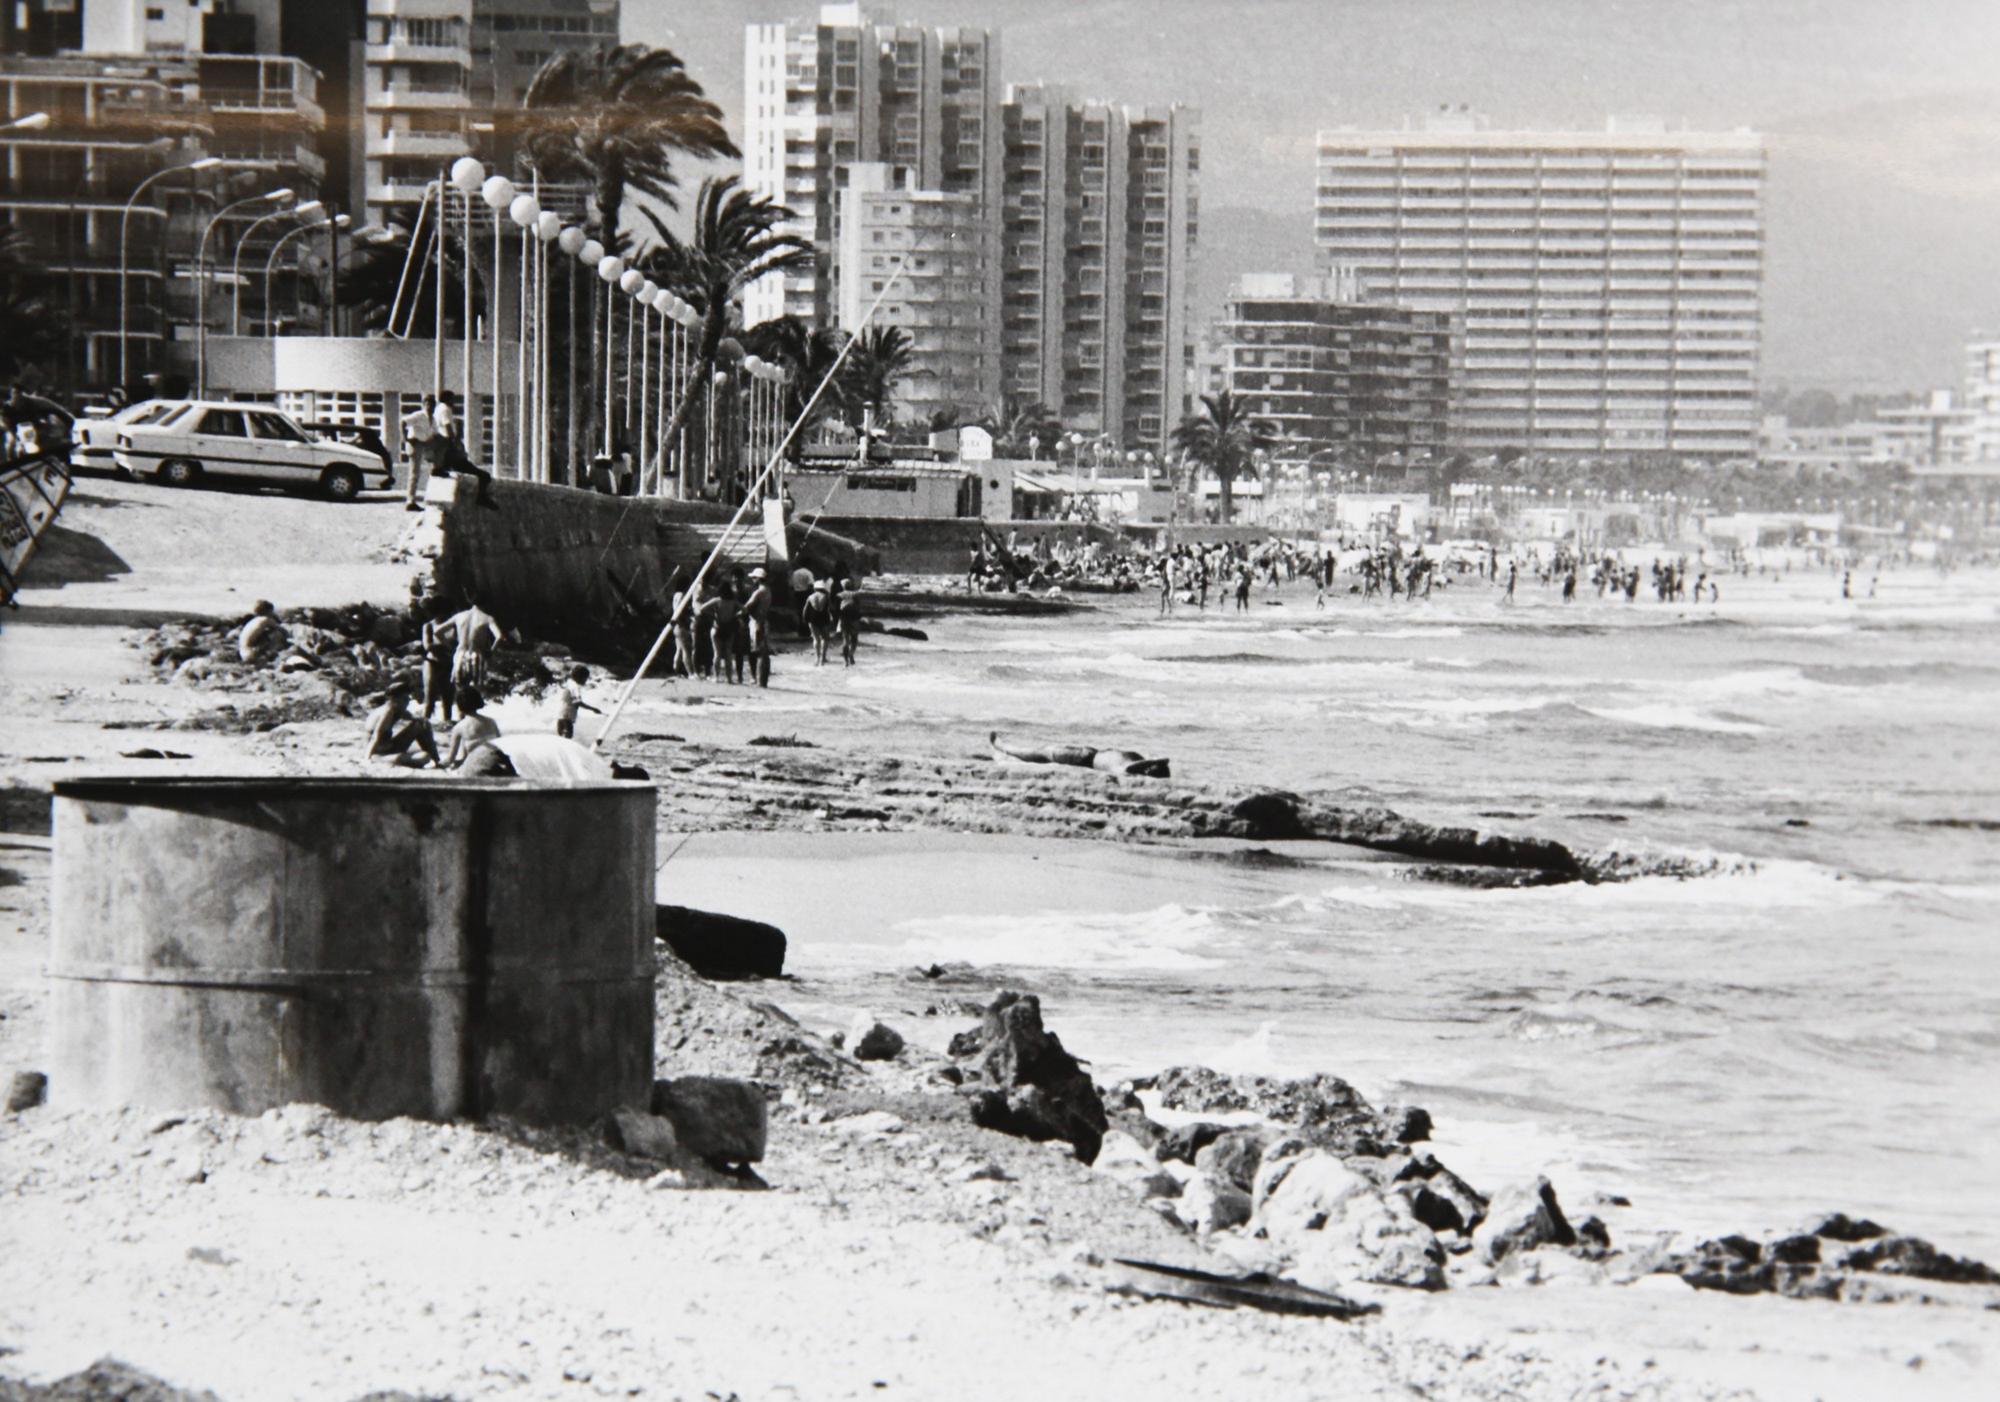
column 894, row 1248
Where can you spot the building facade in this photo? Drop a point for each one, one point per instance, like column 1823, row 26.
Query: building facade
column 939, row 299
column 1982, row 397
column 119, row 123
column 1099, row 224
column 1609, row 283
column 856, row 87
column 1334, row 374
column 435, row 73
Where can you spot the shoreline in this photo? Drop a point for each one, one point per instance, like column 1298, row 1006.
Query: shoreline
column 485, row 1260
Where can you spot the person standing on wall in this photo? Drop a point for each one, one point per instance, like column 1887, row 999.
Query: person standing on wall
column 419, row 441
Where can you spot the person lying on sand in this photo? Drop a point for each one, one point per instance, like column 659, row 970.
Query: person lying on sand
column 398, row 738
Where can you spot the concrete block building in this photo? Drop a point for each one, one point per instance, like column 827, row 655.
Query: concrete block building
column 1609, row 283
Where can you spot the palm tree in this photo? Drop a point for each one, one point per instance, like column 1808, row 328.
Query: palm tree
column 734, row 242
column 32, row 323
column 881, row 358
column 1027, row 428
column 1224, row 438
column 810, row 354
column 615, row 117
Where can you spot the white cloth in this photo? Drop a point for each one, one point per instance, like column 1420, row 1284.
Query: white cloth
column 550, row 759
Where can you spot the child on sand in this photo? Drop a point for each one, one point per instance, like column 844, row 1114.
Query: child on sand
column 848, row 614
column 571, row 701
column 472, row 751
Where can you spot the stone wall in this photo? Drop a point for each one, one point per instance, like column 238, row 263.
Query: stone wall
column 587, row 569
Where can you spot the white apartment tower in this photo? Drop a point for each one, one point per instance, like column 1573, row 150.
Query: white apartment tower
column 1099, row 228
column 1609, row 284
column 435, row 70
column 855, row 87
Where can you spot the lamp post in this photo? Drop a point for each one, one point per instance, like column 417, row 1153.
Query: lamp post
column 236, row 264
column 498, row 193
column 467, row 175
column 124, row 267
column 524, row 211
column 277, row 196
column 34, row 121
column 271, row 265
column 610, row 267
column 548, row 227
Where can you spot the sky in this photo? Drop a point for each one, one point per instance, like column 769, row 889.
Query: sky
column 1882, row 118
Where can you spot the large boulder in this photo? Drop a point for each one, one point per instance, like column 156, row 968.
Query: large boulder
column 1521, row 1218
column 721, row 946
column 1441, row 1199
column 1209, row 1204
column 1322, row 1109
column 1337, row 1225
column 1022, row 1082
column 1233, row 1158
column 871, row 1040
column 717, row 1120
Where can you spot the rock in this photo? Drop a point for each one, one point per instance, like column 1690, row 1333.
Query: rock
column 1187, row 1141
column 1593, row 1238
column 721, row 946
column 1158, row 1184
column 1838, row 1226
column 27, row 1090
column 1913, row 1256
column 1441, row 1199
column 1549, row 1268
column 1024, row 1083
column 1521, row 1218
column 717, row 1121
column 262, row 635
column 1120, row 1155
column 1196, row 1088
column 869, row 1122
column 1338, row 1225
column 1299, row 1195
column 1209, row 1204
column 649, row 1136
column 1135, row 1124
column 870, row 1040
column 1233, row 1158
column 1407, row 1124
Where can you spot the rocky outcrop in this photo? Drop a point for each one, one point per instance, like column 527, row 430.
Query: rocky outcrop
column 718, row 1121
column 1323, row 1110
column 1208, row 1204
column 1520, row 1218
column 1336, row 1225
column 1233, row 1158
column 721, row 946
column 1441, row 1200
column 1835, row 1258
column 1020, row 1081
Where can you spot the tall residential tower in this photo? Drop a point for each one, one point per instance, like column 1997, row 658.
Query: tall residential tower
column 1609, row 284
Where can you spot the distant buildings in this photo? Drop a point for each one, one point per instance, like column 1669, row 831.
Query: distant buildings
column 1335, row 374
column 940, row 299
column 436, row 72
column 1609, row 283
column 1982, row 397
column 1086, row 211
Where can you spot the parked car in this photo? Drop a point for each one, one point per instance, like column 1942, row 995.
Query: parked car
column 355, row 436
column 250, row 441
column 94, row 440
column 35, row 427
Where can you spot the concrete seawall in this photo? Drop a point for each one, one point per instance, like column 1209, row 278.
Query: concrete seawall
column 580, row 567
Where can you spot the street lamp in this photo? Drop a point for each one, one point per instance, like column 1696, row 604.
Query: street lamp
column 277, row 196
column 236, row 264
column 34, row 121
column 124, row 230
column 339, row 221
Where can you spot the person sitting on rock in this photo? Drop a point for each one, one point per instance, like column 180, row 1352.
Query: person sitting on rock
column 398, row 738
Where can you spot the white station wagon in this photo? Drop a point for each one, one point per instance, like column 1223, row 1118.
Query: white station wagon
column 200, row 438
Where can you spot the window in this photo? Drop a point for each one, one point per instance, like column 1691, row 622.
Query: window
column 154, row 14
column 275, row 427
column 224, row 423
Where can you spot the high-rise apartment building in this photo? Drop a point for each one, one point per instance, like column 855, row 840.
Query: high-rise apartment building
column 1982, row 397
column 853, row 88
column 1098, row 230
column 118, row 121
column 1334, row 373
column 939, row 298
column 1609, row 283
column 436, row 72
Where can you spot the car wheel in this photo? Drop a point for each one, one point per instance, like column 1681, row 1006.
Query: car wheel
column 180, row 472
column 340, row 482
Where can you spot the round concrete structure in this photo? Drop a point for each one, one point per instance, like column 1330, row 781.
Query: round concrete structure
column 439, row 948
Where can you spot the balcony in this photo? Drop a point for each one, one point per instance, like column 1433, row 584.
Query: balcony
column 445, row 145
column 402, row 51
column 409, row 95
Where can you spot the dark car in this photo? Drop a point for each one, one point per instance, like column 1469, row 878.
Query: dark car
column 354, row 436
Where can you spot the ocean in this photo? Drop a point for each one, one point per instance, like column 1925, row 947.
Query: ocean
column 1817, row 1028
